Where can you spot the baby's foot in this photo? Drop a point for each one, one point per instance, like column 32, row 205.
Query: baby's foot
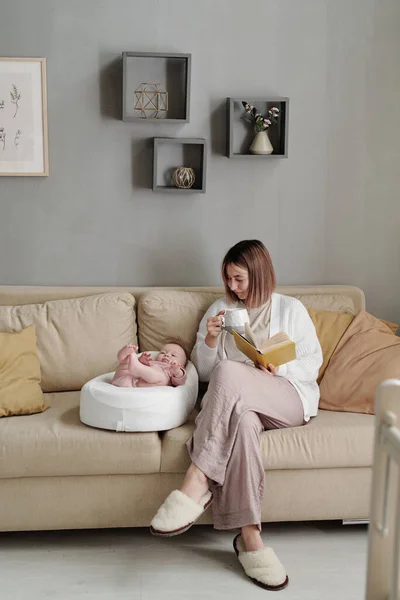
column 132, row 348
column 133, row 363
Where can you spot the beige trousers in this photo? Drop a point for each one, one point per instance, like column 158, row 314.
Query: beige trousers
column 241, row 402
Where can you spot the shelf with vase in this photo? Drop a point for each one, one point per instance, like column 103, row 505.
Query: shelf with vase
column 156, row 87
column 259, row 129
column 179, row 165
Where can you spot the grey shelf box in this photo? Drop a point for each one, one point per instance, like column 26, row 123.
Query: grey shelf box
column 170, row 70
column 170, row 153
column 240, row 133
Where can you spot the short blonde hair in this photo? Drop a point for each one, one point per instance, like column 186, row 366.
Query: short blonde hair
column 253, row 256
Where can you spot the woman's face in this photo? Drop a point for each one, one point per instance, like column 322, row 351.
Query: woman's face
column 238, row 280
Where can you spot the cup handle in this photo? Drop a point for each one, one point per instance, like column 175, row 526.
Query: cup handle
column 222, row 321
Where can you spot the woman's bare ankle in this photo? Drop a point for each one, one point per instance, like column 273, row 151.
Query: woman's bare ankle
column 195, row 483
column 252, row 538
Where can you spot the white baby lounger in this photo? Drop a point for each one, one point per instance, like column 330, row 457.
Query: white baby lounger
column 106, row 406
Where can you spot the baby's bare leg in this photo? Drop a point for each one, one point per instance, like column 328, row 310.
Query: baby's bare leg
column 149, row 374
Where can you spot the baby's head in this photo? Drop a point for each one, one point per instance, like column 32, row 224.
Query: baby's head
column 172, row 351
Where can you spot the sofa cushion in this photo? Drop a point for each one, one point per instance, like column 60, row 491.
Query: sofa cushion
column 77, row 339
column 20, row 391
column 56, row 443
column 332, row 302
column 330, row 440
column 367, row 354
column 165, row 314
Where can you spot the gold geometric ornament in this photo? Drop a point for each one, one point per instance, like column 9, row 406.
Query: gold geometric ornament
column 150, row 100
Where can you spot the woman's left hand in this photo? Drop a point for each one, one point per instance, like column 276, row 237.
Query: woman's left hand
column 271, row 370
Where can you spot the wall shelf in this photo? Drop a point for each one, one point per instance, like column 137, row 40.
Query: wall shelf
column 240, row 133
column 170, row 153
column 169, row 71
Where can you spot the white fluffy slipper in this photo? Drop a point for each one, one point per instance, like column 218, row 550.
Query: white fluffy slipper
column 263, row 566
column 178, row 513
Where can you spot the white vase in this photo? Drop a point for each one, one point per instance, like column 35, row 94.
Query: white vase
column 261, row 144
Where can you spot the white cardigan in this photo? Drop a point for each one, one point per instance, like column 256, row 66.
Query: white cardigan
column 289, row 315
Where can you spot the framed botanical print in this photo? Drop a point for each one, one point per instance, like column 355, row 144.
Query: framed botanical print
column 23, row 117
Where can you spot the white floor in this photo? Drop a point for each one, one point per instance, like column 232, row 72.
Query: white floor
column 325, row 561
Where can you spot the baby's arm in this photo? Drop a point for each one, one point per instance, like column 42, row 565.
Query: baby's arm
column 145, row 358
column 178, row 375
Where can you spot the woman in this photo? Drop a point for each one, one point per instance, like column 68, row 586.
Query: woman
column 240, row 403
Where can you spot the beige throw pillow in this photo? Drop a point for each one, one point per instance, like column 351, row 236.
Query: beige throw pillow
column 163, row 315
column 367, row 353
column 20, row 391
column 78, row 338
column 330, row 327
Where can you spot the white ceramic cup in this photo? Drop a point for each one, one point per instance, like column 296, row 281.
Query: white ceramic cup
column 235, row 318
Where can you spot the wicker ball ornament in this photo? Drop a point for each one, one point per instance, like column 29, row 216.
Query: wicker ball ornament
column 183, row 177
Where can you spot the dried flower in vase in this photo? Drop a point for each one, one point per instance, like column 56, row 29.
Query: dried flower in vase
column 259, row 121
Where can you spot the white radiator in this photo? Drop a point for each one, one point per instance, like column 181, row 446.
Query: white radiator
column 384, row 530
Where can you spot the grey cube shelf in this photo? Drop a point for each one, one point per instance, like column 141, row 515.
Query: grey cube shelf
column 169, row 71
column 240, row 133
column 170, row 153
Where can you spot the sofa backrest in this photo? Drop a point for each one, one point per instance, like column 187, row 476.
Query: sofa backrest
column 166, row 313
column 80, row 329
column 323, row 297
column 77, row 339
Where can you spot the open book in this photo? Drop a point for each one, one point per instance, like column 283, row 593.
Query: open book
column 278, row 350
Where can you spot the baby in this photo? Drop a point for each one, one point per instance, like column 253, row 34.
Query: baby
column 168, row 367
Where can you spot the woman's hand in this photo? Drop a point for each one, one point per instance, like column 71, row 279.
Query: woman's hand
column 214, row 325
column 271, row 370
column 214, row 328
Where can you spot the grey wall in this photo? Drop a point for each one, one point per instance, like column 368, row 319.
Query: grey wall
column 329, row 213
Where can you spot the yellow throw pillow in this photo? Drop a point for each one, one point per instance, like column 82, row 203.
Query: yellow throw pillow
column 330, row 326
column 20, row 391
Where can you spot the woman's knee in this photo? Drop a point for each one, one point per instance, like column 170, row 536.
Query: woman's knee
column 250, row 424
column 228, row 373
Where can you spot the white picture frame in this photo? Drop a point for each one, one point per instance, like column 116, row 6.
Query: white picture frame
column 23, row 117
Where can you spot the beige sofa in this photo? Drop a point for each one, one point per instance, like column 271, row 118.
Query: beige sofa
column 56, row 473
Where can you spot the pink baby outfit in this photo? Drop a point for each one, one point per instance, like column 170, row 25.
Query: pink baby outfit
column 173, row 380
column 145, row 371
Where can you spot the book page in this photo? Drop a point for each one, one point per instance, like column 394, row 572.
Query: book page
column 250, row 335
column 277, row 354
column 277, row 339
